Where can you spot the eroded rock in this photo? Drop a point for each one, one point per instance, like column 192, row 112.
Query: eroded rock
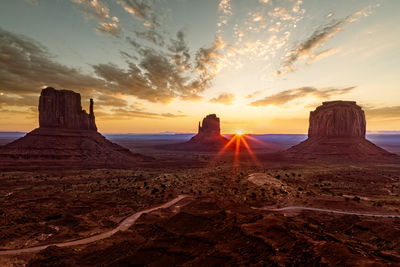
column 337, row 131
column 209, row 134
column 62, row 109
column 67, row 136
column 337, row 119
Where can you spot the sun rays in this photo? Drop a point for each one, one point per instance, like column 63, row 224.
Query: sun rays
column 237, row 142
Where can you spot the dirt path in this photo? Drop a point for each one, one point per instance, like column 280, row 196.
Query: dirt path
column 123, row 226
column 298, row 208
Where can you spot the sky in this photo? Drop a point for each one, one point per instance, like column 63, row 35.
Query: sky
column 162, row 65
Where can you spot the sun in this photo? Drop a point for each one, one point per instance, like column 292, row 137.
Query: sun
column 239, row 132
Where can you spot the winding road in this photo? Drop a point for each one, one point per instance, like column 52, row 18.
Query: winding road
column 299, row 208
column 123, row 226
column 129, row 221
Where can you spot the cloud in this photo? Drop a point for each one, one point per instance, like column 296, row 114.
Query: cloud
column 96, row 9
column 253, row 94
column 296, row 93
column 151, row 35
column 156, row 75
column 131, row 112
column 19, row 100
column 140, row 9
column 306, row 49
column 26, row 66
column 108, row 100
column 209, row 60
column 110, row 28
column 384, row 112
column 323, row 54
column 224, row 98
column 163, row 74
column 225, row 9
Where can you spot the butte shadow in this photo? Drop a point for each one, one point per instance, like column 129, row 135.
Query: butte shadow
column 67, row 136
column 337, row 132
column 208, row 138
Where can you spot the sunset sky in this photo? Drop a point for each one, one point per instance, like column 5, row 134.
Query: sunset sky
column 162, row 65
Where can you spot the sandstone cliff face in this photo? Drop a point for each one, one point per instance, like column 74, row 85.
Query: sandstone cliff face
column 62, row 109
column 337, row 119
column 337, row 131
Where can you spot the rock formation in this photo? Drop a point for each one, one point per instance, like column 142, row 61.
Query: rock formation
column 62, row 109
column 337, row 119
column 208, row 138
column 337, row 131
column 209, row 135
column 208, row 131
column 67, row 136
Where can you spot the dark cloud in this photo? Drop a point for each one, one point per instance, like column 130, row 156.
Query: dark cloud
column 127, row 55
column 135, row 44
column 225, row 99
column 155, row 75
column 150, row 35
column 107, row 100
column 19, row 100
column 292, row 94
column 161, row 75
column 26, row 66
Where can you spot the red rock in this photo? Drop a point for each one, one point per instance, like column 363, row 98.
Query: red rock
column 208, row 138
column 337, row 131
column 62, row 109
column 67, row 136
column 337, row 119
column 209, row 134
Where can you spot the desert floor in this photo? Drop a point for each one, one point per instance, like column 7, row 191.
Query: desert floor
column 228, row 217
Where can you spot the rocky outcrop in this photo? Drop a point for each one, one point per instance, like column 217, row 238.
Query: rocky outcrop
column 67, row 137
column 337, row 131
column 62, row 109
column 337, row 119
column 209, row 130
column 209, row 135
column 208, row 138
column 210, row 126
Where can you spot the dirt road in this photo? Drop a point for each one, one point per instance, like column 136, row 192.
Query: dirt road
column 123, row 226
column 294, row 208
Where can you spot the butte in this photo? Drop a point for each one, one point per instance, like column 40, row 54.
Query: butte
column 337, row 131
column 208, row 138
column 67, row 136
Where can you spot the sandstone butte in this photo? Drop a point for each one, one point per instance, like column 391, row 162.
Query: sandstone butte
column 337, row 131
column 209, row 135
column 67, row 136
